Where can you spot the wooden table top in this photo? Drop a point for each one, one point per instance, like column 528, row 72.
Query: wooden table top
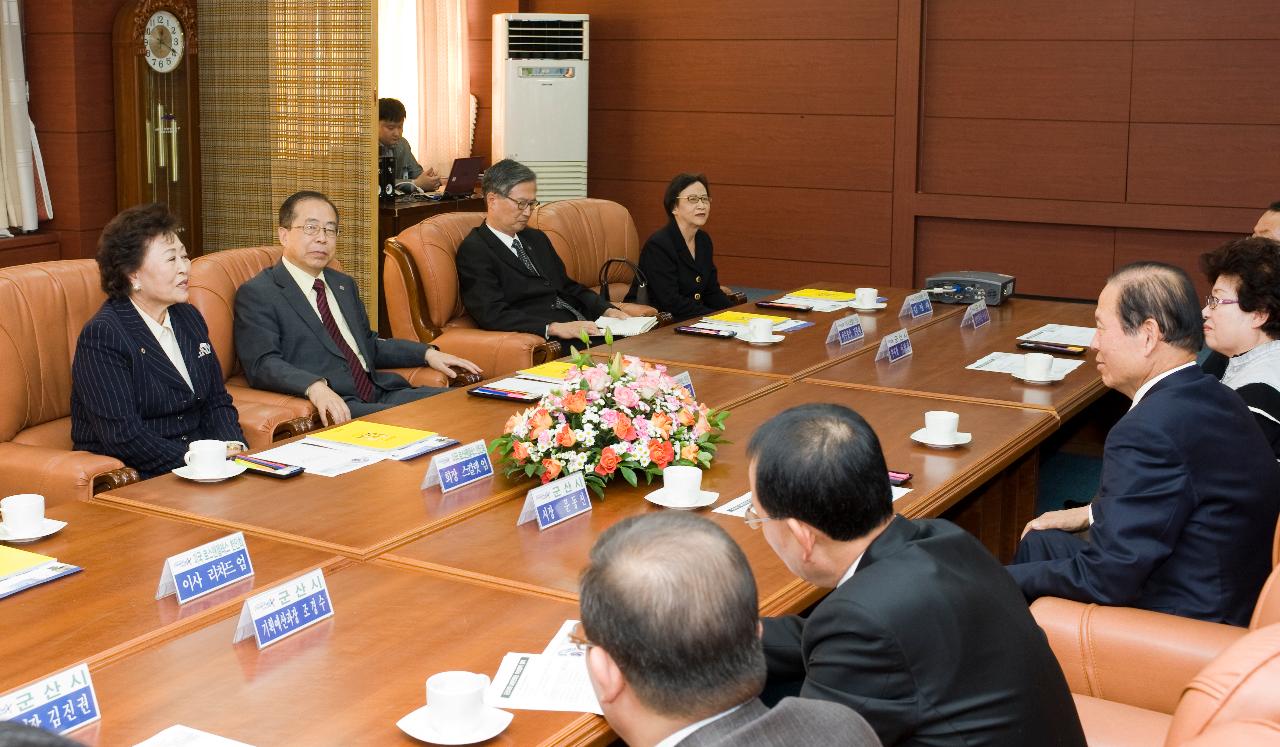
column 344, row 681
column 802, row 352
column 110, row 606
column 489, row 547
column 370, row 510
column 941, row 352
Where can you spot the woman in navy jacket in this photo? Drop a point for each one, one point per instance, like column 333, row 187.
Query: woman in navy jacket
column 677, row 260
column 144, row 387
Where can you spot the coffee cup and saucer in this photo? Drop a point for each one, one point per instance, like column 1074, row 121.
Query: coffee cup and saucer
column 206, row 461
column 941, row 431
column 867, row 299
column 455, row 712
column 760, row 332
column 1037, row 368
column 682, row 489
column 24, row 519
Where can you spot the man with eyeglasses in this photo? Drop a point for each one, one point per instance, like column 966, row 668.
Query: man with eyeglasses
column 671, row 635
column 923, row 633
column 301, row 327
column 511, row 278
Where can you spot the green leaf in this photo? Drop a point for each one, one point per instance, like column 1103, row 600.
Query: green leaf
column 629, row 475
column 608, row 337
column 529, row 469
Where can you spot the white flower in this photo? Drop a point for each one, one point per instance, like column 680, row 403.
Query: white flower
column 640, row 452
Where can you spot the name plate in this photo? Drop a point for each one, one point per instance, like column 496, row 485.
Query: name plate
column 976, row 315
column 205, row 569
column 895, row 347
column 846, row 330
column 557, row 501
column 281, row 611
column 917, row 305
column 462, row 466
column 686, row 381
column 60, row 703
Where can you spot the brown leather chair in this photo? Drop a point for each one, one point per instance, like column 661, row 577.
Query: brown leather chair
column 46, row 305
column 265, row 416
column 420, row 280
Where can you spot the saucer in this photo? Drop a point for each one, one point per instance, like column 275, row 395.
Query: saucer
column 659, row 497
column 1051, row 380
column 50, row 526
column 230, row 470
column 873, row 307
column 418, row 725
column 960, row 440
column 770, row 340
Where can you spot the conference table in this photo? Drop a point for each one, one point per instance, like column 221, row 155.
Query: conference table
column 423, row 581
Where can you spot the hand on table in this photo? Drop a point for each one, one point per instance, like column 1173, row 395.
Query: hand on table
column 572, row 330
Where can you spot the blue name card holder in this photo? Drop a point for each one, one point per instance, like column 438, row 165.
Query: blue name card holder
column 916, row 305
column 59, row 703
column 846, row 330
column 895, row 346
column 686, row 381
column 557, row 501
column 283, row 610
column 976, row 315
column 205, row 569
column 459, row 467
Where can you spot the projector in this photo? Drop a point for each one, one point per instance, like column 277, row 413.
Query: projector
column 969, row 286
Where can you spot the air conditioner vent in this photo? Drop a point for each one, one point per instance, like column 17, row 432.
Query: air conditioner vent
column 546, row 40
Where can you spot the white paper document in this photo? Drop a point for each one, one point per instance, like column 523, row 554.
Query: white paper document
column 817, row 304
column 524, row 385
column 1012, row 363
column 560, row 644
column 738, row 506
column 636, row 325
column 1063, row 334
column 541, row 682
column 329, row 460
column 184, row 736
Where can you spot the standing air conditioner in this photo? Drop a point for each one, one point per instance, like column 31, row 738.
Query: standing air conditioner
column 540, row 98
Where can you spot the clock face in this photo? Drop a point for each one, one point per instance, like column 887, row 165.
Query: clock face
column 164, row 41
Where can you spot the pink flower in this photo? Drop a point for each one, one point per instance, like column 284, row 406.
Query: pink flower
column 609, row 417
column 625, row 396
column 597, row 378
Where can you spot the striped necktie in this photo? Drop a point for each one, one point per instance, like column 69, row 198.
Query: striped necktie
column 364, row 385
column 559, row 303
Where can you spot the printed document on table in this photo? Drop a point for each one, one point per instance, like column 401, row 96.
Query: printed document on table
column 560, row 644
column 1013, row 363
column 184, row 736
column 1063, row 334
column 538, row 682
column 326, row 461
column 817, row 304
column 738, row 506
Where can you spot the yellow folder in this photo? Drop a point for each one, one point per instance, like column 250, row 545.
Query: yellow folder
column 823, row 295
column 376, row 436
column 742, row 317
column 14, row 561
column 554, row 371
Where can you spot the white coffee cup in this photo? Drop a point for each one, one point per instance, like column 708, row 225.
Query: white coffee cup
column 759, row 330
column 206, row 457
column 455, row 701
column 23, row 514
column 866, row 297
column 941, row 426
column 1037, row 366
column 683, row 484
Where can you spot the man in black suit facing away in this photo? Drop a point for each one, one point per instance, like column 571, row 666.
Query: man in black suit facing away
column 511, row 278
column 924, row 634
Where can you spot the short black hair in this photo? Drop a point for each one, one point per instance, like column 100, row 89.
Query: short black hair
column 503, row 176
column 677, row 185
column 391, row 110
column 822, row 464
column 18, row 734
column 1164, row 294
column 1254, row 263
column 291, row 203
column 123, row 244
column 671, row 598
column 1274, row 207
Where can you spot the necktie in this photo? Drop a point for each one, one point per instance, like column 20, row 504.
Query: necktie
column 559, row 303
column 364, row 385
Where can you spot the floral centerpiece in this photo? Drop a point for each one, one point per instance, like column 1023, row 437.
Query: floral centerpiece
column 624, row 417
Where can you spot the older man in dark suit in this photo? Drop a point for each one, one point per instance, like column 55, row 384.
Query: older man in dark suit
column 672, row 642
column 301, row 327
column 924, row 633
column 1190, row 491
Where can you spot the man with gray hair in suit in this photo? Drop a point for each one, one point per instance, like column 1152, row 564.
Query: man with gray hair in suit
column 672, row 637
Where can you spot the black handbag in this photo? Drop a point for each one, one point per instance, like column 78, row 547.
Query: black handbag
column 641, row 282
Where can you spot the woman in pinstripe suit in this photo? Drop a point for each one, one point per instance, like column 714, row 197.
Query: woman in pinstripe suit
column 145, row 381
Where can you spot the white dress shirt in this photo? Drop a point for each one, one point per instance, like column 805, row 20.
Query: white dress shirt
column 305, row 283
column 677, row 737
column 849, row 573
column 507, row 241
column 163, row 332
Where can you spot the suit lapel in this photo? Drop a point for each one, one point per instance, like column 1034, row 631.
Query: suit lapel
column 347, row 301
column 504, row 254
column 302, row 307
column 682, row 249
column 891, row 540
column 153, row 355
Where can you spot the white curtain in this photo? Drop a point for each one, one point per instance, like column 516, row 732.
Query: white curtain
column 398, row 62
column 444, row 84
column 17, row 162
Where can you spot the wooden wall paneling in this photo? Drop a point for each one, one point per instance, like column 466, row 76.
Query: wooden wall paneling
column 1197, row 164
column 480, row 35
column 1180, row 248
column 1195, row 19
column 1118, row 214
column 757, row 76
column 1228, row 82
column 1018, row 158
column 725, row 19
column 1059, row 80
column 1061, row 261
column 782, row 274
column 906, row 141
column 1018, row 19
column 20, row 250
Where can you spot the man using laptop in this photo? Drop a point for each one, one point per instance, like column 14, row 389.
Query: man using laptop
column 405, row 167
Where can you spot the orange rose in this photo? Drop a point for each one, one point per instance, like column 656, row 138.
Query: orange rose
column 552, row 470
column 623, row 429
column 565, row 436
column 608, row 461
column 661, row 453
column 661, row 423
column 690, row 452
column 576, row 402
column 540, row 422
column 512, row 422
column 686, row 417
column 520, row 450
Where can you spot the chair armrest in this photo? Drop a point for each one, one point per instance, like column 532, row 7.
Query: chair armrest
column 116, row 478
column 635, row 309
column 420, row 376
column 497, row 353
column 244, row 395
column 60, row 476
column 1127, row 655
column 665, row 318
column 265, row 424
column 737, row 297
column 296, row 427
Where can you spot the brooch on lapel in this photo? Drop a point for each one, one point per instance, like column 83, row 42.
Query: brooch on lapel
column 203, row 350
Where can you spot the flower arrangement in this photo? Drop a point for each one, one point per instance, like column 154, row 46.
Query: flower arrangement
column 625, row 417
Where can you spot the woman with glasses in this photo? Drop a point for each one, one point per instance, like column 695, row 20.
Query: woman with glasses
column 145, row 381
column 676, row 260
column 1242, row 324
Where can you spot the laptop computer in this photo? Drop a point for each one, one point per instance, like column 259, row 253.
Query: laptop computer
column 462, row 178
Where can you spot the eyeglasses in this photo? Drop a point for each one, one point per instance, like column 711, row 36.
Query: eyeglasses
column 311, row 229
column 578, row 638
column 523, row 205
column 753, row 519
column 1213, row 301
column 697, row 199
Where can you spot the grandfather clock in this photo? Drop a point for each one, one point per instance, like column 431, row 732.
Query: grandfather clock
column 158, row 110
